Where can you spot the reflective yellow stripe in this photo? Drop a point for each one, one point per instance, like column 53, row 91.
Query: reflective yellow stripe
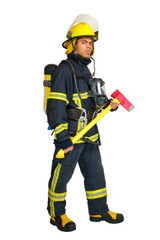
column 56, row 197
column 57, row 95
column 96, row 194
column 55, row 177
column 61, row 127
column 77, row 100
column 93, row 138
column 53, row 186
column 83, row 95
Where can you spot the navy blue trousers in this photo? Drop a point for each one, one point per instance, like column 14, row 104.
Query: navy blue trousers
column 88, row 157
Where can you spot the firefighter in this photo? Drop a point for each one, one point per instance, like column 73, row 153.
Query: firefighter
column 69, row 108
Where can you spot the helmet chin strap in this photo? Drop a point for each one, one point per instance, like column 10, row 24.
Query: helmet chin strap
column 75, row 52
column 94, row 63
column 74, row 49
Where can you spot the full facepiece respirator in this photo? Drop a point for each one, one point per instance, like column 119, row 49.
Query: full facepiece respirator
column 97, row 91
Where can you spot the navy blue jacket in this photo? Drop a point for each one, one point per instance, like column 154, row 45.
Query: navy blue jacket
column 63, row 95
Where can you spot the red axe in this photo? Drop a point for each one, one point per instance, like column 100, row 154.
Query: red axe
column 122, row 100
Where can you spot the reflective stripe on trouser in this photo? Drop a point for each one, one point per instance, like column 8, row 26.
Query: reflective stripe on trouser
column 96, row 194
column 88, row 157
column 62, row 170
column 52, row 195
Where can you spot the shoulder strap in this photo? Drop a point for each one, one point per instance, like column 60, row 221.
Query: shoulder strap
column 70, row 66
column 74, row 77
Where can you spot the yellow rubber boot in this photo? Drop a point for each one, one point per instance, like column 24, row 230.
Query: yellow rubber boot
column 63, row 223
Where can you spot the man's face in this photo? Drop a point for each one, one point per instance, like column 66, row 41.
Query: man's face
column 84, row 47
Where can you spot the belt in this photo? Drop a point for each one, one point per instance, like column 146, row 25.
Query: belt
column 81, row 114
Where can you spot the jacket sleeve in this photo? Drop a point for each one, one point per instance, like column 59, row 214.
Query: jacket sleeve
column 59, row 97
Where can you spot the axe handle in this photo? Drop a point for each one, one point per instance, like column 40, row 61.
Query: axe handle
column 60, row 154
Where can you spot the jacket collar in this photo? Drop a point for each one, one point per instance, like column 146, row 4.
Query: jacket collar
column 78, row 59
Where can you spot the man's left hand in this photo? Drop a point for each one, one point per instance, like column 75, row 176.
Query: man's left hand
column 114, row 105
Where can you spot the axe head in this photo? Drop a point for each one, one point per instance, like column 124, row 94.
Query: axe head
column 123, row 100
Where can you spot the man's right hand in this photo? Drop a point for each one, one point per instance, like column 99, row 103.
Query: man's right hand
column 68, row 149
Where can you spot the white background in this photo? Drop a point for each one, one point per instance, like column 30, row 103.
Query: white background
column 128, row 58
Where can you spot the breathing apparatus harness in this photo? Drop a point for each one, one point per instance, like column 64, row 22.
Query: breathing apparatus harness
column 84, row 114
column 97, row 92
